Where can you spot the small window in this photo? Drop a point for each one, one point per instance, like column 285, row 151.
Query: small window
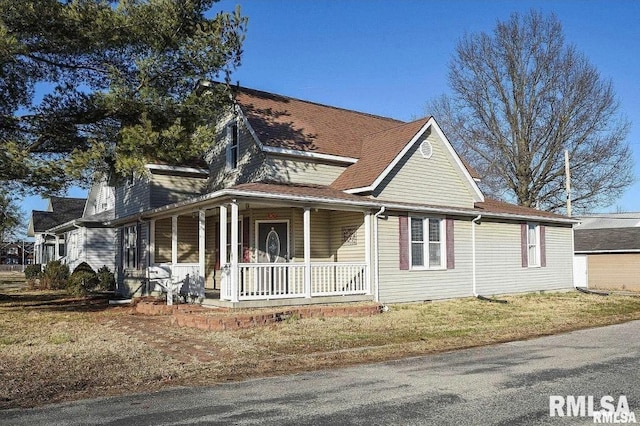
column 130, row 180
column 232, row 146
column 130, row 247
column 533, row 245
column 427, row 243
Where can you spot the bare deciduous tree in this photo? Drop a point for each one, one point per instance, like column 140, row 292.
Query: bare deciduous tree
column 521, row 96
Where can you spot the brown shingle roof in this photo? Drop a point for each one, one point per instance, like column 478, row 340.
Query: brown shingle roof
column 494, row 206
column 378, row 151
column 284, row 122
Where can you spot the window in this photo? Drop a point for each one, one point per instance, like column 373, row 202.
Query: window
column 130, row 180
column 427, row 243
column 130, row 247
column 533, row 246
column 232, row 146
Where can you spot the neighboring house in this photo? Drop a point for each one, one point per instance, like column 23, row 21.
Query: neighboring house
column 607, row 251
column 16, row 253
column 48, row 245
column 308, row 203
column 88, row 236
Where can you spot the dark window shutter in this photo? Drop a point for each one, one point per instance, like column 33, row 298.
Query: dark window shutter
column 451, row 262
column 216, row 249
column 543, row 246
column 523, row 245
column 246, row 250
column 404, row 242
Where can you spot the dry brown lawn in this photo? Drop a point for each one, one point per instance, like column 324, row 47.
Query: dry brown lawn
column 55, row 348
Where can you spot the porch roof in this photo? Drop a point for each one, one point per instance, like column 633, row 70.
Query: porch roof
column 329, row 197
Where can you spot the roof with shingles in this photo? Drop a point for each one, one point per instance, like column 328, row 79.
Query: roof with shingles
column 300, row 190
column 378, row 151
column 284, row 122
column 64, row 210
column 490, row 205
column 289, row 123
column 607, row 240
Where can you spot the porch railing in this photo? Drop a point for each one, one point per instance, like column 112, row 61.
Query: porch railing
column 186, row 273
column 287, row 280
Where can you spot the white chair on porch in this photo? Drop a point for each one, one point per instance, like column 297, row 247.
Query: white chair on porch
column 185, row 289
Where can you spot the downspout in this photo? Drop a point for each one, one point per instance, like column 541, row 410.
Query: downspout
column 376, row 272
column 473, row 252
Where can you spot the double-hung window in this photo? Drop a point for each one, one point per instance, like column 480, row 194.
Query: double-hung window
column 232, row 146
column 130, row 247
column 533, row 244
column 427, row 243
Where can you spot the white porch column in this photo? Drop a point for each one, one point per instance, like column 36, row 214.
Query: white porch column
column 234, row 252
column 152, row 242
column 306, row 216
column 56, row 252
column 224, row 279
column 201, row 251
column 367, row 249
column 174, row 240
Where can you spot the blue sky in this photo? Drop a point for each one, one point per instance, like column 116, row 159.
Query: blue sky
column 390, row 57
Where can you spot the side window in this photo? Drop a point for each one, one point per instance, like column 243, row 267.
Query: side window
column 129, row 247
column 533, row 244
column 427, row 243
column 232, row 146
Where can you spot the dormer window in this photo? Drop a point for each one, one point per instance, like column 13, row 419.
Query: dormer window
column 232, row 146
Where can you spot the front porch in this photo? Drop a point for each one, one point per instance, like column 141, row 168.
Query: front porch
column 285, row 255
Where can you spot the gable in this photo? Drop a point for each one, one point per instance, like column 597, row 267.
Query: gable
column 393, row 162
column 427, row 173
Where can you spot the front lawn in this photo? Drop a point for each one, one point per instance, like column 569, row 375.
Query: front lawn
column 56, row 348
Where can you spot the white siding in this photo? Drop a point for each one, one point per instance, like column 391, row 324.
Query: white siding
column 290, row 170
column 414, row 285
column 100, row 247
column 168, row 189
column 498, row 262
column 435, row 180
column 132, row 199
column 354, row 249
column 250, row 160
column 499, row 259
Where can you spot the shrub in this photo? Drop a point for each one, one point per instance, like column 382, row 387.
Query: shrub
column 32, row 272
column 54, row 276
column 82, row 280
column 106, row 279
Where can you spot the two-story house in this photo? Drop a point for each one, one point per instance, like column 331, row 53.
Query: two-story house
column 308, row 203
column 89, row 237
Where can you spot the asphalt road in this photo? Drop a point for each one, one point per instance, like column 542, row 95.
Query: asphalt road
column 505, row 384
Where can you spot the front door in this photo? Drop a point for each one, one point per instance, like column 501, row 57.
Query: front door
column 273, row 247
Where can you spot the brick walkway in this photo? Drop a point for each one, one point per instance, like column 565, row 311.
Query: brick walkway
column 217, row 320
